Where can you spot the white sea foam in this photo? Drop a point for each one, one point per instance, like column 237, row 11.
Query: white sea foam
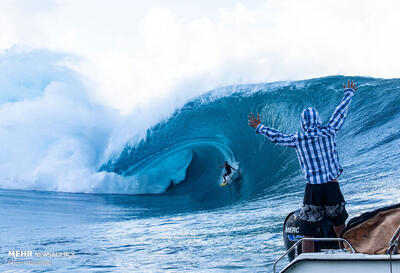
column 53, row 135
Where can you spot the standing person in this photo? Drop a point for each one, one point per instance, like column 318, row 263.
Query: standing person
column 227, row 169
column 319, row 161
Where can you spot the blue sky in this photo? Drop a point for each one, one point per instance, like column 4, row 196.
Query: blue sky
column 135, row 54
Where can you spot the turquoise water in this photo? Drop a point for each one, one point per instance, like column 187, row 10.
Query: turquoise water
column 175, row 216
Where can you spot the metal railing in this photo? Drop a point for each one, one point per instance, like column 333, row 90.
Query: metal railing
column 394, row 242
column 313, row 239
column 393, row 246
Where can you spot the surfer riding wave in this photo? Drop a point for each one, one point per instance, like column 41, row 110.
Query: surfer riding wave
column 228, row 169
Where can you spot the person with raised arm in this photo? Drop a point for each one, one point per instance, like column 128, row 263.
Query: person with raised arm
column 318, row 157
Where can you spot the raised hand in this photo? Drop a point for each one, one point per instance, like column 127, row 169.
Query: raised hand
column 350, row 85
column 253, row 121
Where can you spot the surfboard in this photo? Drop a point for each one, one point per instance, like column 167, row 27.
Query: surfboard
column 233, row 177
column 228, row 180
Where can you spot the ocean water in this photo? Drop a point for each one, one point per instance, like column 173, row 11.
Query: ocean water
column 156, row 205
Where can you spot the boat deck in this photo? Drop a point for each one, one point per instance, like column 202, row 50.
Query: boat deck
column 343, row 263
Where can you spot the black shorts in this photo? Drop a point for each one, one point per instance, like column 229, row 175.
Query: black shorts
column 321, row 200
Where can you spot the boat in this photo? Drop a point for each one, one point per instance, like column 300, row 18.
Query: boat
column 370, row 243
column 343, row 263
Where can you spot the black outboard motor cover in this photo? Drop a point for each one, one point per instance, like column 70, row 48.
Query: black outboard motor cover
column 291, row 234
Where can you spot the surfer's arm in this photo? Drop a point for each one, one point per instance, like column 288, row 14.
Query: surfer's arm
column 339, row 115
column 276, row 136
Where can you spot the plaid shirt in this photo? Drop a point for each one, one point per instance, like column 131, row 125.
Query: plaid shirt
column 315, row 146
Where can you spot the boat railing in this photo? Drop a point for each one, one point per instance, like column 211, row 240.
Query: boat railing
column 294, row 246
column 394, row 242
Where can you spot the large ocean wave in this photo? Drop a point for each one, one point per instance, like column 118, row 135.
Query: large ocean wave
column 56, row 138
column 213, row 128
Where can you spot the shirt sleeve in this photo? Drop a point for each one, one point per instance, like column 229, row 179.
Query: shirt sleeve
column 337, row 119
column 277, row 136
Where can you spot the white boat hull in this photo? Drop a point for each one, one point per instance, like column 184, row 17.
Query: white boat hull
column 343, row 263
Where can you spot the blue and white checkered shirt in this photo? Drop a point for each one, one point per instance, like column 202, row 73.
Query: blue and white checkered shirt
column 315, row 146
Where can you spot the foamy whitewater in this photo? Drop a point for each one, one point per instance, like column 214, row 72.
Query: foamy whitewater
column 140, row 193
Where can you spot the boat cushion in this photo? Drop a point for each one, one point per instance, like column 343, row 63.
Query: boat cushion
column 371, row 232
